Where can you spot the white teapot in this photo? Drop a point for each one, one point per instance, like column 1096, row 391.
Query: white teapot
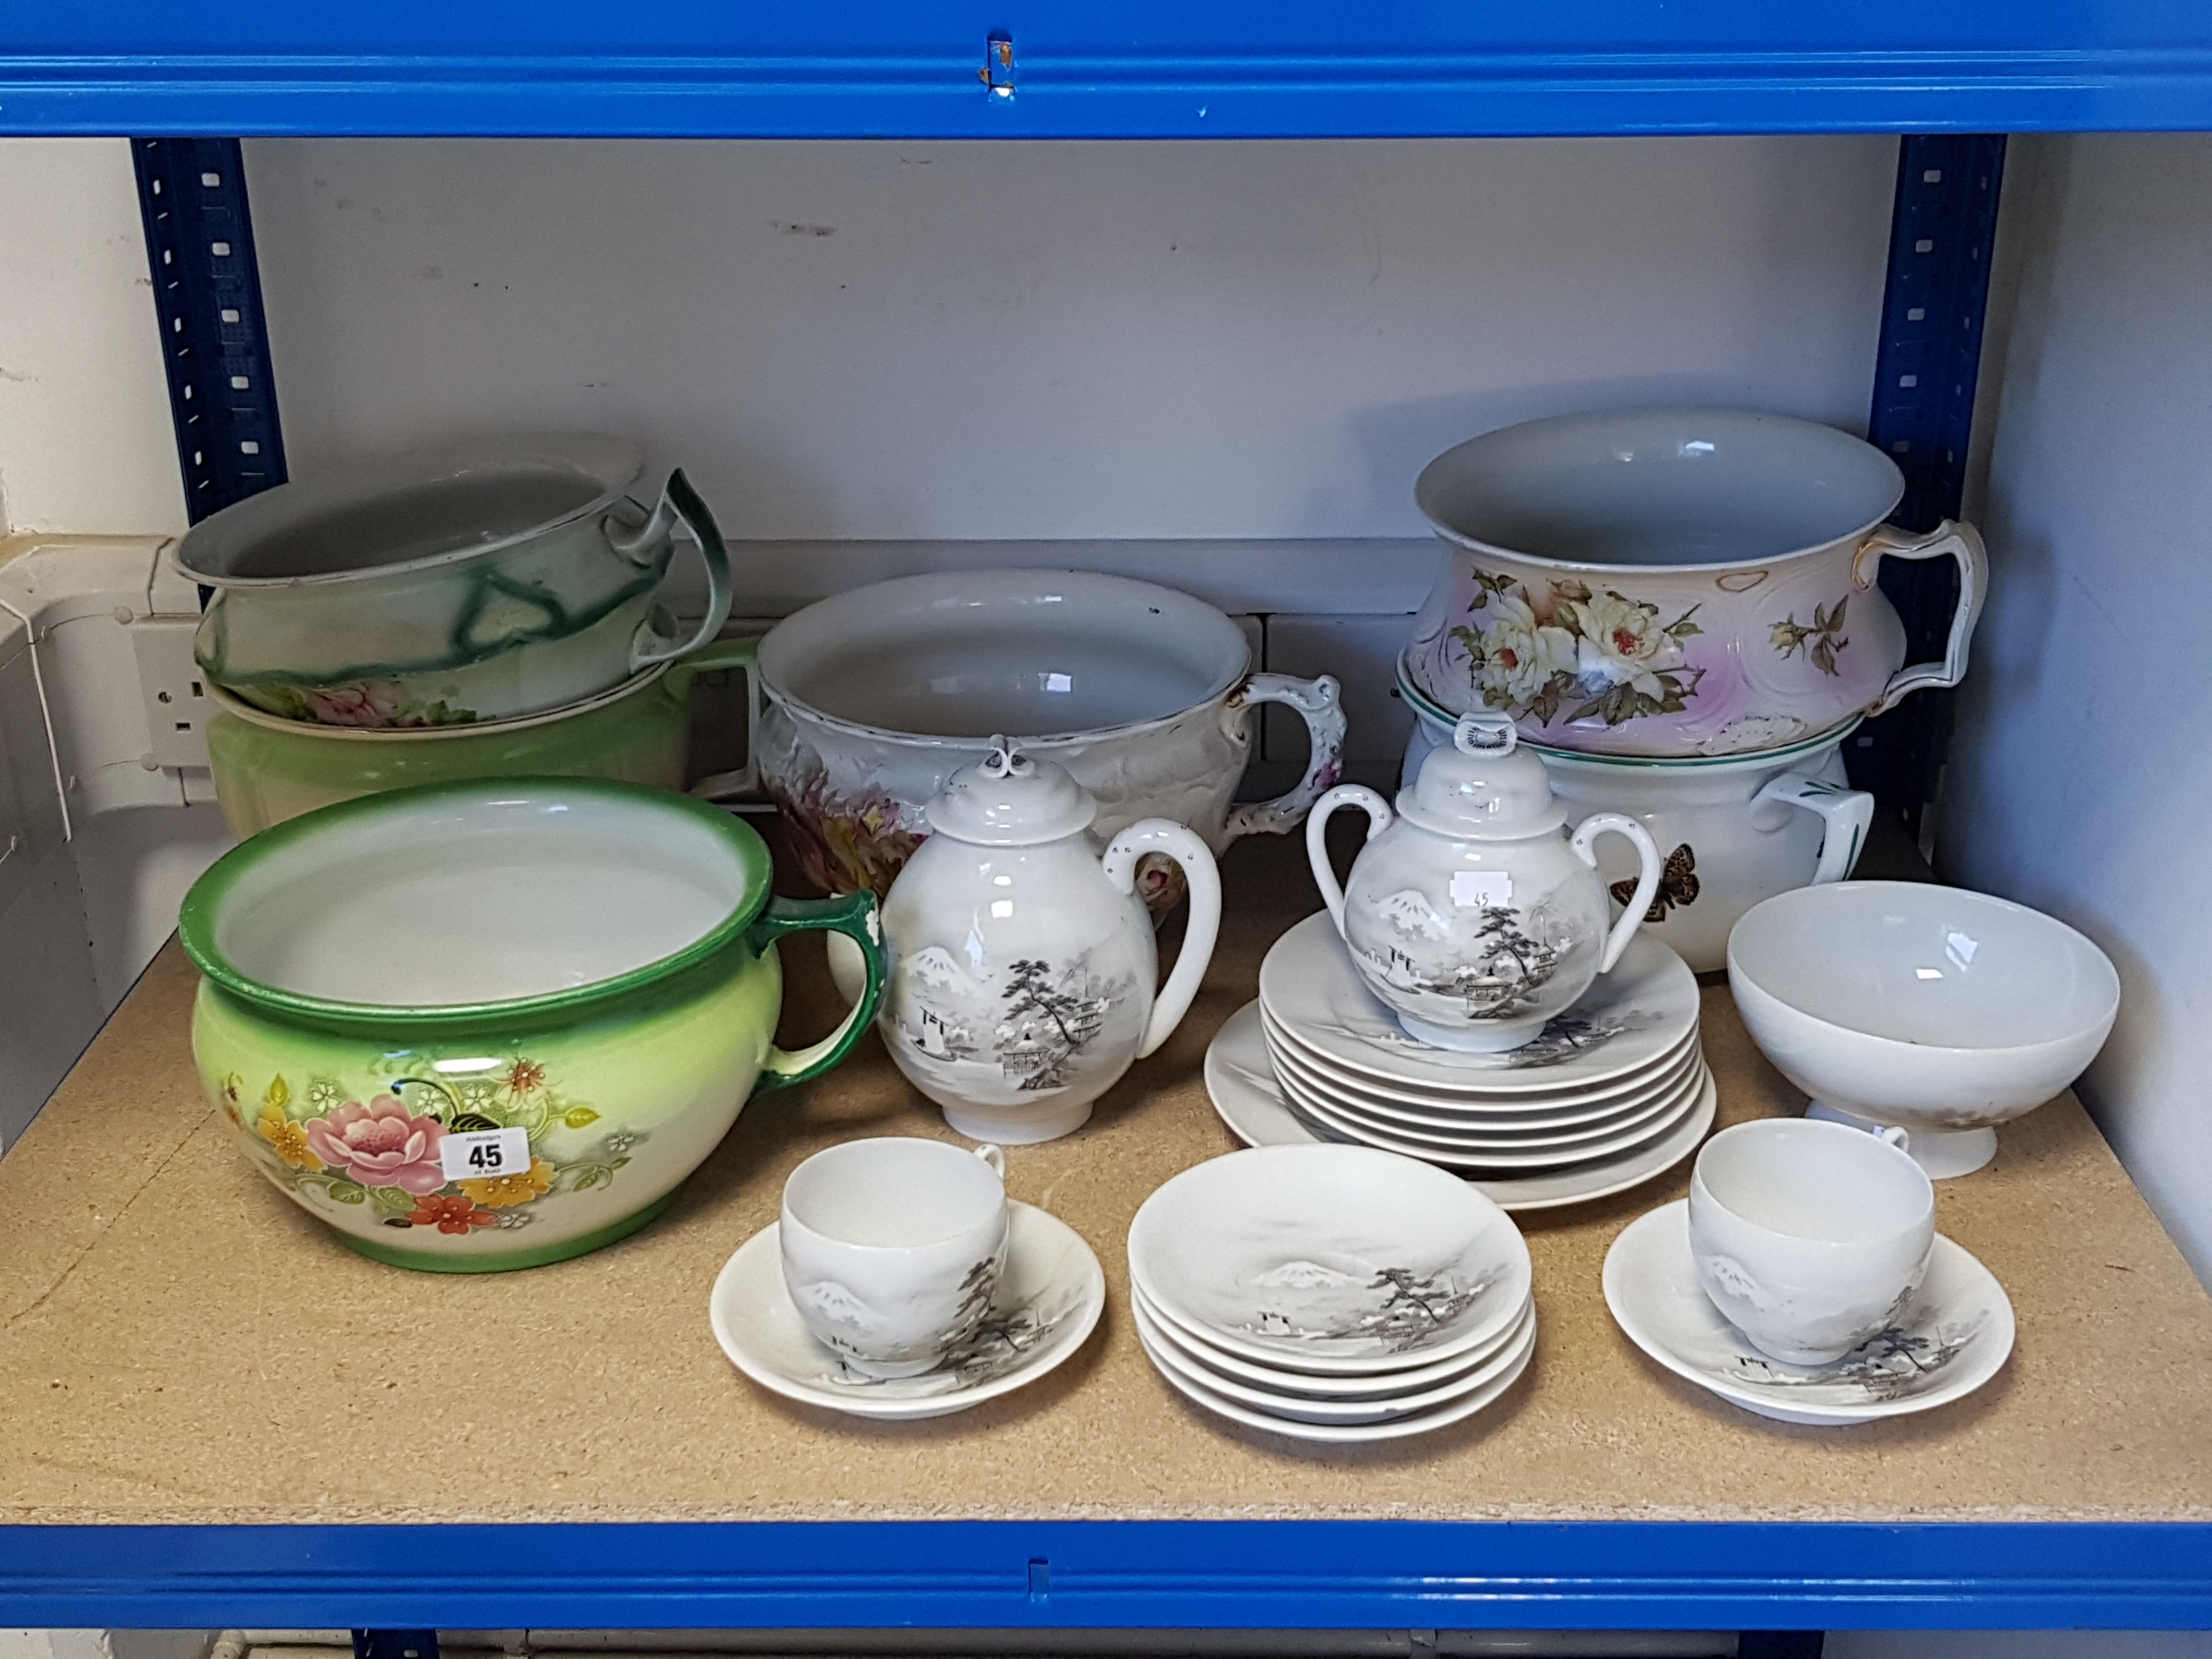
column 1021, row 965
column 1472, row 916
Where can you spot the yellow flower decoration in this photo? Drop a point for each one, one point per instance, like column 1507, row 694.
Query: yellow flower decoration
column 497, row 1192
column 290, row 1140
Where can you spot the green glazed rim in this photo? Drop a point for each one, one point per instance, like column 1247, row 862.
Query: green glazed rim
column 197, row 918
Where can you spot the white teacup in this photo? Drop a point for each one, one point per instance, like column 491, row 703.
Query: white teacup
column 1809, row 1236
column 892, row 1249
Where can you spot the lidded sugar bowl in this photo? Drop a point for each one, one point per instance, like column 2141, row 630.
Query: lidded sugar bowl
column 1023, row 972
column 1470, row 912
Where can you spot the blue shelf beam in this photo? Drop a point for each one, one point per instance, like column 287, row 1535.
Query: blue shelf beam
column 1345, row 1575
column 1133, row 68
column 1942, row 236
column 207, row 302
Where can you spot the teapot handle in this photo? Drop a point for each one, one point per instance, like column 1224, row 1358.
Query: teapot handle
column 1324, row 873
column 1952, row 539
column 1647, row 881
column 1120, row 864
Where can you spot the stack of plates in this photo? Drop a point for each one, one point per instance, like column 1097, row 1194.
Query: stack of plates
column 1613, row 1092
column 1331, row 1293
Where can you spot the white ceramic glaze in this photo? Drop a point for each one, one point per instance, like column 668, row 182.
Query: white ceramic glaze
column 1049, row 1297
column 1628, row 1021
column 1337, row 1260
column 1952, row 1336
column 1024, row 976
column 1475, row 1152
column 1943, row 1010
column 1673, row 581
column 872, row 699
column 1514, row 1116
column 473, row 582
column 1179, row 1362
column 892, row 1249
column 1390, row 1385
column 1399, row 1428
column 1732, row 830
column 1809, row 1236
column 1471, row 913
column 1241, row 1083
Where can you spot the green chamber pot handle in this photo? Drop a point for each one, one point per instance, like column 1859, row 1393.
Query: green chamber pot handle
column 679, row 502
column 853, row 914
column 745, row 783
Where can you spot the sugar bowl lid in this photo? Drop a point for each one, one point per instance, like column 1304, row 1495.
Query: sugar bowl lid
column 1483, row 786
column 1009, row 800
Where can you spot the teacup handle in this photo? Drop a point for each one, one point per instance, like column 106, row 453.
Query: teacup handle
column 1317, row 701
column 1179, row 844
column 745, row 782
column 1949, row 540
column 1846, row 812
column 853, row 914
column 1647, row 880
column 679, row 501
column 994, row 1156
column 1892, row 1134
column 1324, row 873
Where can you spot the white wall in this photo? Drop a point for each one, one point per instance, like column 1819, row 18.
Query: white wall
column 967, row 340
column 2082, row 775
column 86, row 447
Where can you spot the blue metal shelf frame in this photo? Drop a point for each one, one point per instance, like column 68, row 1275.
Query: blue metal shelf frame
column 1127, row 1574
column 1137, row 69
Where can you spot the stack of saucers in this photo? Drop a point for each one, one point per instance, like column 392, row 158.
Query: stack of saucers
column 1611, row 1093
column 1331, row 1293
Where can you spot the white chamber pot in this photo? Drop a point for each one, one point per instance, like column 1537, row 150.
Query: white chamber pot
column 1733, row 830
column 1939, row 1011
column 1665, row 582
column 871, row 700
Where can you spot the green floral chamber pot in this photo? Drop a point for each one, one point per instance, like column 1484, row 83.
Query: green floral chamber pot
column 493, row 1024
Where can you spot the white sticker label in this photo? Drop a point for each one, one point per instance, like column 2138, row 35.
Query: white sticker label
column 1481, row 887
column 479, row 1154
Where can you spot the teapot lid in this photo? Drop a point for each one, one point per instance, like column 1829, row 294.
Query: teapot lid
column 1009, row 800
column 1483, row 786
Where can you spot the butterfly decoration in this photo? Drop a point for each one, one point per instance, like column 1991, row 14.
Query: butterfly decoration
column 1678, row 885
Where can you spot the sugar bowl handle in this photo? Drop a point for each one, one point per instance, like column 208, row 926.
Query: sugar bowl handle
column 1179, row 844
column 1647, row 880
column 1324, row 873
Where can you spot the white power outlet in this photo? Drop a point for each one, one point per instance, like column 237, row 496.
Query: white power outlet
column 178, row 707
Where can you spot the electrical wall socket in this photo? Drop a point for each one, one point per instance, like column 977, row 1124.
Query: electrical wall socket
column 178, row 707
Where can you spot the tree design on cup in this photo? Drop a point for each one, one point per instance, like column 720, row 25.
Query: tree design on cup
column 1531, row 653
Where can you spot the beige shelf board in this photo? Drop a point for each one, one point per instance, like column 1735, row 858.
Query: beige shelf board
column 183, row 1345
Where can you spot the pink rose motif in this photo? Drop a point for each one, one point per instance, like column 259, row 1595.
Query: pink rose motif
column 380, row 1144
column 355, row 705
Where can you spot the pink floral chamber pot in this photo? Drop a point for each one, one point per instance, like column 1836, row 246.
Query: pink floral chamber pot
column 1670, row 582
column 871, row 700
column 494, row 1024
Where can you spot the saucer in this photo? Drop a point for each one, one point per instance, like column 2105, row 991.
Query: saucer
column 1352, row 1433
column 1341, row 1259
column 1050, row 1297
column 1240, row 1081
column 1953, row 1336
column 1160, row 1347
column 1476, row 1152
column 1627, row 1020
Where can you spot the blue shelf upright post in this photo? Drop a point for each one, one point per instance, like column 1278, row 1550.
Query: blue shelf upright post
column 215, row 341
column 1942, row 235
